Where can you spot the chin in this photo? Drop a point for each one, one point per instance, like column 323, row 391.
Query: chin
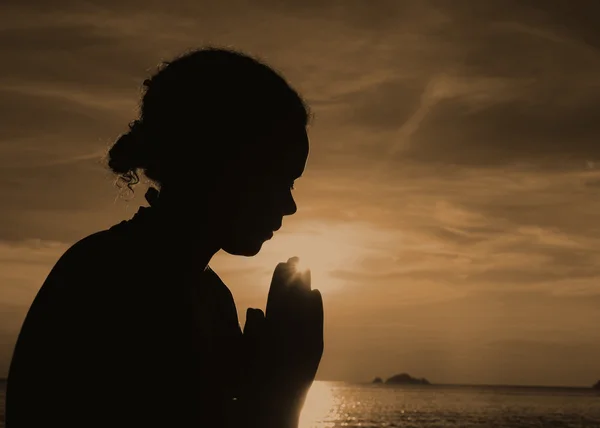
column 246, row 249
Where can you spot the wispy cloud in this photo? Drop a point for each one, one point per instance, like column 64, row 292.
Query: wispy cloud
column 453, row 161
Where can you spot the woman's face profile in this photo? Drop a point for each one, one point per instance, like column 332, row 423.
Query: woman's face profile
column 261, row 193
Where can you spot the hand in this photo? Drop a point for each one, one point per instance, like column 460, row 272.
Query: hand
column 284, row 348
column 294, row 319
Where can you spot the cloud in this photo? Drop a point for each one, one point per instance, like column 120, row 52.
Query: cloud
column 470, row 230
column 462, row 93
column 60, row 125
column 24, row 266
column 453, row 144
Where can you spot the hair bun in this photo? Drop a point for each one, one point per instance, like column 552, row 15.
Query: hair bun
column 125, row 155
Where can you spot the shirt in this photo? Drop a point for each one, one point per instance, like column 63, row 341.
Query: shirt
column 124, row 332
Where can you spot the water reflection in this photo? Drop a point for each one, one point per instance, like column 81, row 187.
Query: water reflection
column 339, row 404
column 321, row 407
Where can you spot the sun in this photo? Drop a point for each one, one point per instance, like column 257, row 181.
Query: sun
column 325, row 251
column 301, row 266
column 333, row 253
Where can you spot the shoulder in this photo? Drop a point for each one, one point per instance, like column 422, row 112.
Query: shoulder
column 82, row 285
column 93, row 250
column 86, row 267
column 73, row 290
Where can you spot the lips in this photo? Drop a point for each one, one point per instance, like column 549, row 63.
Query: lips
column 270, row 230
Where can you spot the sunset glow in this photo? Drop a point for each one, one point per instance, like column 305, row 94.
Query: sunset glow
column 324, row 249
column 449, row 207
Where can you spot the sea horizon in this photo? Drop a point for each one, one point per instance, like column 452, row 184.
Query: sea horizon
column 448, row 385
column 463, row 385
column 332, row 404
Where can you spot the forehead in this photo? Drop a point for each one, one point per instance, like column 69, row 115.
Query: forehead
column 287, row 150
column 296, row 153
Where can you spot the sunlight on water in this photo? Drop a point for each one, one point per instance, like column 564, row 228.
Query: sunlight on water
column 346, row 405
column 339, row 404
column 319, row 407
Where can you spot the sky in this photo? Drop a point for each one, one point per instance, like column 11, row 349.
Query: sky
column 449, row 209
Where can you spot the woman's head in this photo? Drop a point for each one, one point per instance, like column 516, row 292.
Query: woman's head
column 223, row 132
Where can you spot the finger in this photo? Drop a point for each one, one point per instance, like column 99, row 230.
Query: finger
column 304, row 279
column 281, row 274
column 277, row 288
column 316, row 326
column 317, row 317
column 254, row 322
column 252, row 343
column 287, row 301
column 285, row 278
column 307, row 279
column 299, row 315
column 297, row 299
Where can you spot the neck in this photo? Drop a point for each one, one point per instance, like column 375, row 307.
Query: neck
column 186, row 236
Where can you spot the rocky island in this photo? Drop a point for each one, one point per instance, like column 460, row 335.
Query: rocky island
column 403, row 379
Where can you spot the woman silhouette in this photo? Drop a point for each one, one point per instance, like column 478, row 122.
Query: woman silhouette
column 131, row 327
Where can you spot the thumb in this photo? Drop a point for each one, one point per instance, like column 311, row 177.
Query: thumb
column 255, row 320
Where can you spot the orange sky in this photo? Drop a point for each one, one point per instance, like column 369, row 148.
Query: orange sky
column 449, row 208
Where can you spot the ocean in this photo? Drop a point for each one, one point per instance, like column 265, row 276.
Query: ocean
column 338, row 404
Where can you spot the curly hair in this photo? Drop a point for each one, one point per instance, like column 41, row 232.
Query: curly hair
column 198, row 110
